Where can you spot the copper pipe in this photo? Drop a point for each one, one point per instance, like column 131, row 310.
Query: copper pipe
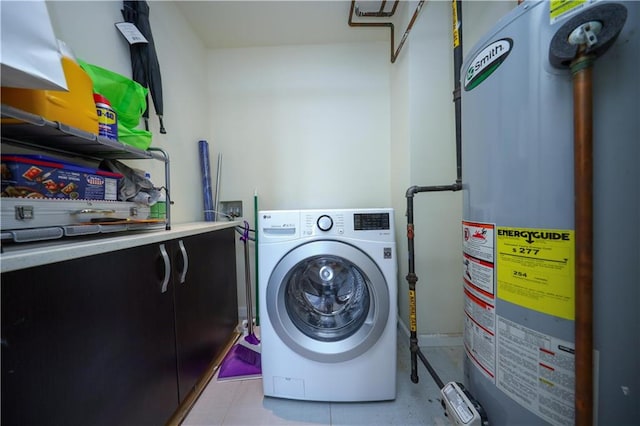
column 380, row 13
column 383, row 4
column 394, row 55
column 406, row 32
column 581, row 69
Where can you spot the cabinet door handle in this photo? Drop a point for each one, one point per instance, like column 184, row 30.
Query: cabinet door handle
column 185, row 262
column 167, row 268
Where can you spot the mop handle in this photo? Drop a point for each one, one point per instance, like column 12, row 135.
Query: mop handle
column 247, row 276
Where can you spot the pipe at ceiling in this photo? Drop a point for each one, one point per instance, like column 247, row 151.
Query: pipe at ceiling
column 380, row 13
column 394, row 54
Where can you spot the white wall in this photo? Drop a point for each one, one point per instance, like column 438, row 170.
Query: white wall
column 305, row 126
column 423, row 141
column 88, row 28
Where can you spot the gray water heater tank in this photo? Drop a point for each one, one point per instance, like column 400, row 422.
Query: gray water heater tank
column 518, row 222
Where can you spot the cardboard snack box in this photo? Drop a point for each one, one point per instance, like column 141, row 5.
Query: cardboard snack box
column 35, row 176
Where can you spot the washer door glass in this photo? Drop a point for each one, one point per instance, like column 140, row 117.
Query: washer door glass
column 328, row 301
column 327, row 297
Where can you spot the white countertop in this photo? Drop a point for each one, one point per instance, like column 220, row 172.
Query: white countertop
column 20, row 256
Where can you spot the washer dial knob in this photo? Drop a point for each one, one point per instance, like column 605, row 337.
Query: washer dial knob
column 325, row 223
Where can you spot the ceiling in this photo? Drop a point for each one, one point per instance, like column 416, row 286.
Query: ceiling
column 259, row 23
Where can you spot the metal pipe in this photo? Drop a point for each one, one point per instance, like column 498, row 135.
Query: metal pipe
column 456, row 9
column 581, row 70
column 431, row 370
column 383, row 4
column 380, row 13
column 371, row 24
column 167, row 182
column 434, row 188
column 394, row 55
column 412, row 279
column 578, row 43
column 406, row 32
column 247, row 278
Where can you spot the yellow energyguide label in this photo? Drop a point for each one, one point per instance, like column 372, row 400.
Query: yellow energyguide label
column 536, row 269
column 559, row 8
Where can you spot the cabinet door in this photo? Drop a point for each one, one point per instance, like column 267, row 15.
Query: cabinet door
column 89, row 341
column 205, row 302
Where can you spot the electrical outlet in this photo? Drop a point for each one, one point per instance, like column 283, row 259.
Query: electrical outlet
column 231, row 209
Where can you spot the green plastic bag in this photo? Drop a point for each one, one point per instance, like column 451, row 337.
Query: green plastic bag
column 136, row 138
column 127, row 97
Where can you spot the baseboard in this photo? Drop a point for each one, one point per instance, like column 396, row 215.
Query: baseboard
column 187, row 404
column 431, row 340
column 242, row 313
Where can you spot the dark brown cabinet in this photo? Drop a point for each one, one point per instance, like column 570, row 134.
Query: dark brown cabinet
column 205, row 302
column 111, row 339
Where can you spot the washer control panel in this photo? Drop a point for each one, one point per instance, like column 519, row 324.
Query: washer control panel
column 324, row 222
column 363, row 224
column 321, row 223
column 371, row 221
column 346, row 223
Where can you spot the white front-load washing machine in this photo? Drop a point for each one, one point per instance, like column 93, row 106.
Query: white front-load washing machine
column 327, row 284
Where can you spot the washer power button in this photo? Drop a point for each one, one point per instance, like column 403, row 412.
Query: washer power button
column 325, row 223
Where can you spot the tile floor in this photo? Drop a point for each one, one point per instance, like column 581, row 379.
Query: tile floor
column 241, row 403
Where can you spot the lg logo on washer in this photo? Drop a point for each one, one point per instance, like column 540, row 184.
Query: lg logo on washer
column 279, row 226
column 267, row 217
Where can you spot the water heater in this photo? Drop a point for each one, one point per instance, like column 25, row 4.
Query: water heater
column 518, row 221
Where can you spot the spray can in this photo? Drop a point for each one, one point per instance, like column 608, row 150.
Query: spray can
column 107, row 118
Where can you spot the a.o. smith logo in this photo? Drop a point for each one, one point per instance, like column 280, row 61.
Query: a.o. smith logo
column 486, row 62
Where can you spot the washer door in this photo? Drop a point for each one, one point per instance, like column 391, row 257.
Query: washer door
column 328, row 301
